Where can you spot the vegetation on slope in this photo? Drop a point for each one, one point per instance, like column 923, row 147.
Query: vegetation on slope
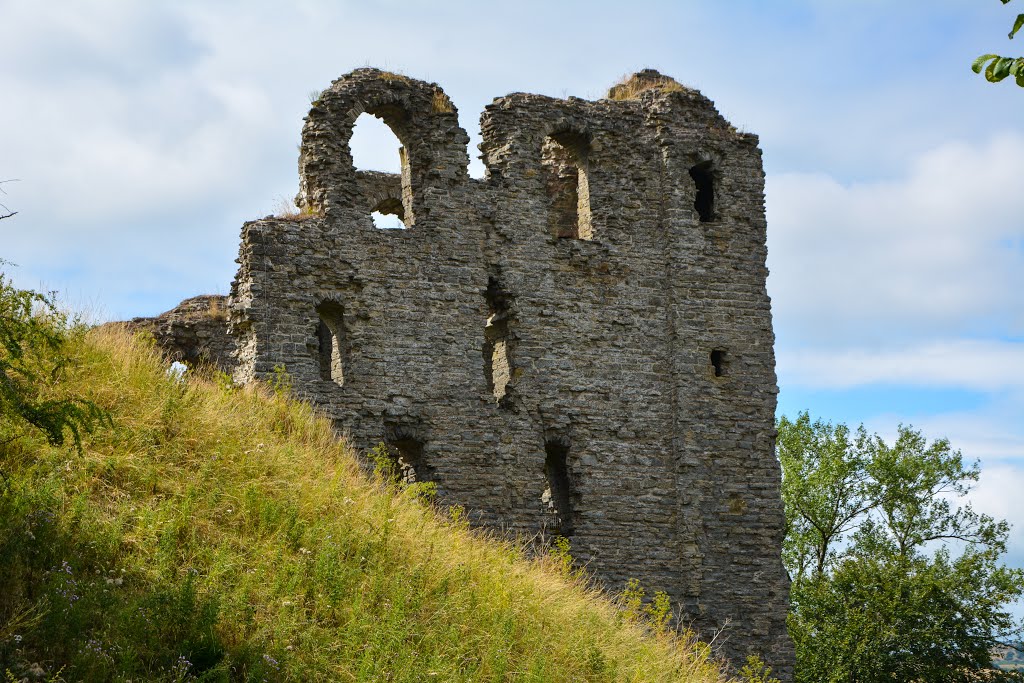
column 218, row 533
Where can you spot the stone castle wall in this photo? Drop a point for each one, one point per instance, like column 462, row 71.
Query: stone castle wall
column 578, row 344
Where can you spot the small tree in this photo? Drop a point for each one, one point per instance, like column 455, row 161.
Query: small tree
column 1000, row 67
column 33, row 333
column 892, row 578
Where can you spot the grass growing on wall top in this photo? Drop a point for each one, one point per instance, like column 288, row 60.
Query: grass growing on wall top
column 632, row 86
column 216, row 533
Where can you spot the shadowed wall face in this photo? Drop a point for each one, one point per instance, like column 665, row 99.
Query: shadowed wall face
column 579, row 344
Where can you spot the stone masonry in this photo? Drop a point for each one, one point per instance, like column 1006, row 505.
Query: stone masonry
column 578, row 344
column 194, row 332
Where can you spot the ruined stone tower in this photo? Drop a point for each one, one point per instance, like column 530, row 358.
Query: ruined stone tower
column 579, row 343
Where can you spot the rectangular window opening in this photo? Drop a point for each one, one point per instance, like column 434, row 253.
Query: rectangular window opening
column 704, row 196
column 558, row 495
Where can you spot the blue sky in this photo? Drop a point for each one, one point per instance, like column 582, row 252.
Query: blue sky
column 144, row 134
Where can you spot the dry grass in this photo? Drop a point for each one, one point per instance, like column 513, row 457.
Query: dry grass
column 631, row 86
column 287, row 211
column 392, row 76
column 217, row 310
column 441, row 103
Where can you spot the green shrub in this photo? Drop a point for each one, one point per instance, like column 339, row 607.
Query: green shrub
column 33, row 334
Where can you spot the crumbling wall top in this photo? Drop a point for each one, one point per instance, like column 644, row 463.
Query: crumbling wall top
column 421, row 116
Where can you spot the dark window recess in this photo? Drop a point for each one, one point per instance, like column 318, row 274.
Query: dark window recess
column 558, row 495
column 497, row 340
column 704, row 200
column 719, row 362
column 407, row 455
column 330, row 334
column 564, row 160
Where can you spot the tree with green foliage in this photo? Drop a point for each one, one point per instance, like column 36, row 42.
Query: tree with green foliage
column 893, row 578
column 1000, row 67
column 33, row 332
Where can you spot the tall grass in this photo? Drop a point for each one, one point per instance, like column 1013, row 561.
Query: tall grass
column 219, row 533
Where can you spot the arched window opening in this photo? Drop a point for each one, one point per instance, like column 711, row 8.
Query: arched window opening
column 330, row 334
column 704, row 199
column 497, row 340
column 564, row 158
column 376, row 146
column 558, row 495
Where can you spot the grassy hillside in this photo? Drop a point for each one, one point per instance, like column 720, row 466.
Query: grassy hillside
column 217, row 533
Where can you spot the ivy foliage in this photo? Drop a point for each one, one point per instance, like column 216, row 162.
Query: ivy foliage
column 997, row 67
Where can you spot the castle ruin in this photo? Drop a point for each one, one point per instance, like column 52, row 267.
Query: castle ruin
column 580, row 343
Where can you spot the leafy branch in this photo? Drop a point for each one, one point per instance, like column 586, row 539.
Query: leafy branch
column 999, row 67
column 33, row 333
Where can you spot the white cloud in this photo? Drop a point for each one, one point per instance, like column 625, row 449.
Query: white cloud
column 96, row 41
column 941, row 248
column 993, row 434
column 978, row 365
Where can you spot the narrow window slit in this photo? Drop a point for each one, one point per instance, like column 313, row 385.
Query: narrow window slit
column 330, row 334
column 719, row 362
column 497, row 350
column 558, row 495
column 704, row 199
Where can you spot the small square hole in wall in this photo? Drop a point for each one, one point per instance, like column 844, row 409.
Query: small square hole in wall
column 719, row 362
